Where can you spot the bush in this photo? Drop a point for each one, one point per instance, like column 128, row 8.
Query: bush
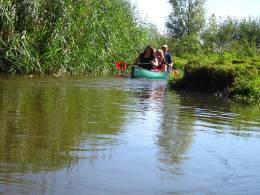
column 239, row 61
column 176, row 81
column 247, row 87
column 178, row 63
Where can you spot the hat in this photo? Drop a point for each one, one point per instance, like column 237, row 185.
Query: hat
column 165, row 46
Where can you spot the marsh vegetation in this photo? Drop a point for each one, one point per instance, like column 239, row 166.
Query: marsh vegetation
column 68, row 37
column 223, row 59
column 85, row 36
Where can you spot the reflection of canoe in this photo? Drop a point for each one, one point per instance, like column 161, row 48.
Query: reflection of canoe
column 137, row 72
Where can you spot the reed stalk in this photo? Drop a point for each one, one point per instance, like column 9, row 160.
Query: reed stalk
column 68, row 37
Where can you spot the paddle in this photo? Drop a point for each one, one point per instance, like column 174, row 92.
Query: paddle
column 175, row 72
column 121, row 65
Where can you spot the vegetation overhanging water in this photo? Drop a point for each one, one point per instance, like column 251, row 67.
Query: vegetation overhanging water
column 64, row 37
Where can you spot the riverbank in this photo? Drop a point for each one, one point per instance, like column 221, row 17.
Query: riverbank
column 238, row 78
column 64, row 37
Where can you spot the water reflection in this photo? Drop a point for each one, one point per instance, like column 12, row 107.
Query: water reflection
column 148, row 94
column 174, row 137
column 45, row 124
column 116, row 135
column 186, row 114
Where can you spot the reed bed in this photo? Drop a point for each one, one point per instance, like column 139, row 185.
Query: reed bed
column 68, row 37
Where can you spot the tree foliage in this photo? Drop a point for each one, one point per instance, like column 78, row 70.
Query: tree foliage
column 187, row 18
column 241, row 37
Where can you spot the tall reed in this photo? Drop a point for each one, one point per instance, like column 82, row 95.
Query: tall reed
column 64, row 36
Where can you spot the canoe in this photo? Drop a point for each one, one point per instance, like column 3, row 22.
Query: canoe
column 137, row 72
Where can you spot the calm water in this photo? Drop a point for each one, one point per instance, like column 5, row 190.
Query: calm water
column 116, row 135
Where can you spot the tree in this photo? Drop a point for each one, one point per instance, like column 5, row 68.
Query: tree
column 187, row 18
column 209, row 35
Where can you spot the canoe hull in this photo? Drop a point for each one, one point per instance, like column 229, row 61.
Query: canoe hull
column 137, row 72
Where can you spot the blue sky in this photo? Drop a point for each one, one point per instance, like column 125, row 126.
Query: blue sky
column 158, row 10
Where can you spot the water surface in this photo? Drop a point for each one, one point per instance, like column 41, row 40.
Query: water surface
column 110, row 134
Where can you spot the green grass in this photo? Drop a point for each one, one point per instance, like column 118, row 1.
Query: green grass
column 239, row 76
column 86, row 36
column 68, row 37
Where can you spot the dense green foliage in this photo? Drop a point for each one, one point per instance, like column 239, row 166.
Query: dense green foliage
column 237, row 77
column 238, row 38
column 241, row 37
column 223, row 57
column 69, row 37
column 187, row 18
column 64, row 36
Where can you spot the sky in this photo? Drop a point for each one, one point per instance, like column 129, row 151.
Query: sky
column 156, row 11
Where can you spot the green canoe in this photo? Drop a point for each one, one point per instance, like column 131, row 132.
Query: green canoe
column 137, row 72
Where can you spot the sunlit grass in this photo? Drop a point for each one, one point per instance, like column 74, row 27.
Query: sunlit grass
column 62, row 36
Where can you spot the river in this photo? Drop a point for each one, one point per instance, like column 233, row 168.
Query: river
column 109, row 134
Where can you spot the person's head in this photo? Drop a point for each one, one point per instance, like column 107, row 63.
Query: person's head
column 159, row 54
column 164, row 48
column 149, row 49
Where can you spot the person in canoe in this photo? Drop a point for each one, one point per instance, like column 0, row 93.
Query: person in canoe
column 160, row 58
column 168, row 57
column 147, row 59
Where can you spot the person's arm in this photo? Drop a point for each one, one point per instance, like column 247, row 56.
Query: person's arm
column 154, row 62
column 170, row 61
column 137, row 60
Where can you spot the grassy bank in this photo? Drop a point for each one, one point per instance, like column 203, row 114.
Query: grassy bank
column 224, row 58
column 86, row 36
column 233, row 77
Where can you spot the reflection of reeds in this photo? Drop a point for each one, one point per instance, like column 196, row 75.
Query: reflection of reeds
column 49, row 128
column 61, row 36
